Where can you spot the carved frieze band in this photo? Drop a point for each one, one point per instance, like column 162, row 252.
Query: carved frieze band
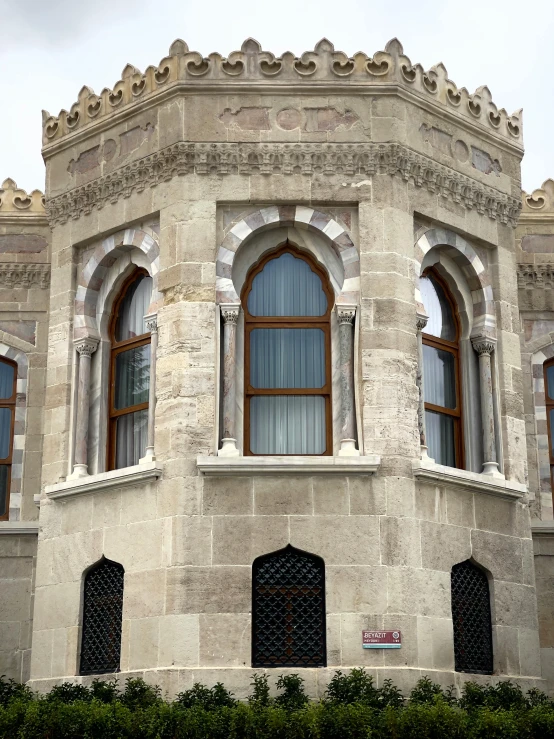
column 307, row 159
column 535, row 276
column 257, row 67
column 24, row 275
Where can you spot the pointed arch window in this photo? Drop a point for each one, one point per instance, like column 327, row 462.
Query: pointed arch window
column 102, row 618
column 288, row 610
column 8, row 394
column 129, row 373
column 441, row 373
column 287, row 302
column 471, row 618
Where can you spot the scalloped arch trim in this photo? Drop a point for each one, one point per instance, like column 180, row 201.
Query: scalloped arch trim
column 298, row 216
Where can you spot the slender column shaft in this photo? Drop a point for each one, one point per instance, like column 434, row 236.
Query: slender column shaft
column 85, row 348
column 346, row 315
column 230, row 314
column 485, row 347
column 152, row 326
column 421, row 323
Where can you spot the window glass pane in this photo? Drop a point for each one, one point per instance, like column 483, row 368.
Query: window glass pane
column 5, row 432
column 132, row 377
column 132, row 309
column 287, row 357
column 4, row 477
column 439, row 433
column 287, row 287
column 551, row 419
column 550, row 381
column 287, row 424
column 130, row 438
column 6, row 379
column 439, row 377
column 441, row 321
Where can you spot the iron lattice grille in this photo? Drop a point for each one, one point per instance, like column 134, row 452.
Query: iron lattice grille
column 288, row 610
column 102, row 615
column 471, row 616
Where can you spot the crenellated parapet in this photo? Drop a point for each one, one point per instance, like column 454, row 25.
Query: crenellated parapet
column 321, row 71
column 539, row 205
column 17, row 202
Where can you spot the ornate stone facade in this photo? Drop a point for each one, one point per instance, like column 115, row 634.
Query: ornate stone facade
column 379, row 173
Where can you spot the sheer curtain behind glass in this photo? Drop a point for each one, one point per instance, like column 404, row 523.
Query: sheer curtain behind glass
column 290, row 358
column 131, row 372
column 440, row 357
column 7, row 409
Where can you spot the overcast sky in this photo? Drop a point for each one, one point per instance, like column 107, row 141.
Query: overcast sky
column 49, row 50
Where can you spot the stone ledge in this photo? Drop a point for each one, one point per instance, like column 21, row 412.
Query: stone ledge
column 18, row 528
column 288, row 464
column 105, row 481
column 542, row 528
column 471, row 481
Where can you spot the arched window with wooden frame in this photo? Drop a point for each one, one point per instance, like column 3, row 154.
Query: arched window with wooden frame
column 129, row 373
column 549, row 402
column 8, row 395
column 441, row 373
column 287, row 302
column 288, row 609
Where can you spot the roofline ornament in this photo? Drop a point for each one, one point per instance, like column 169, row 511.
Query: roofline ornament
column 15, row 201
column 257, row 68
column 540, row 201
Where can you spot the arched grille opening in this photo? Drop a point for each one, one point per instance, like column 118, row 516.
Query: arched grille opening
column 471, row 617
column 288, row 619
column 102, row 617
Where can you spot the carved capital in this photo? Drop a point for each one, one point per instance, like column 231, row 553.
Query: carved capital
column 346, row 314
column 86, row 347
column 483, row 345
column 421, row 321
column 151, row 323
column 230, row 313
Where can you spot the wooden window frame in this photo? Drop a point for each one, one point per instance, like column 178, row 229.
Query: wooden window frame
column 9, row 403
column 549, row 404
column 452, row 347
column 117, row 347
column 322, row 322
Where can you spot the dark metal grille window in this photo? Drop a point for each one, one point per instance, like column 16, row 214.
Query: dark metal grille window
column 471, row 616
column 102, row 615
column 288, row 604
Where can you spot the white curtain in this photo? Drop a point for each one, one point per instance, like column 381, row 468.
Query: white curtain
column 440, row 389
column 287, row 358
column 131, row 438
column 132, row 377
column 133, row 307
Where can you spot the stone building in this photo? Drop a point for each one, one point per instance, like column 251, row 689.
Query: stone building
column 273, row 353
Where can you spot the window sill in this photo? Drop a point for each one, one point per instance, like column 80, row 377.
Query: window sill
column 105, row 481
column 292, row 465
column 18, row 528
column 427, row 470
column 542, row 528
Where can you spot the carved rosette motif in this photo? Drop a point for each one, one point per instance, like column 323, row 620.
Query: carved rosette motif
column 287, row 159
column 86, row 347
column 483, row 345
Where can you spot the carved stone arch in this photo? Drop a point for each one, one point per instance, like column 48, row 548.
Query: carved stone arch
column 296, row 216
column 473, row 269
column 20, row 358
column 95, row 270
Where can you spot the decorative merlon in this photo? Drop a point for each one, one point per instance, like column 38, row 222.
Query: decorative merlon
column 14, row 201
column 539, row 205
column 251, row 67
column 307, row 159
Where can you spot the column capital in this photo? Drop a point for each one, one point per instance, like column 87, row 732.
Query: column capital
column 483, row 345
column 421, row 321
column 346, row 313
column 86, row 347
column 230, row 312
column 151, row 323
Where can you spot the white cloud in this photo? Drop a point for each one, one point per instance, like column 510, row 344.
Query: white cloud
column 48, row 51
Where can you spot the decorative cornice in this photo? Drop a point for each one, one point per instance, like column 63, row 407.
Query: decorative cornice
column 24, row 275
column 532, row 276
column 307, row 159
column 16, row 202
column 255, row 68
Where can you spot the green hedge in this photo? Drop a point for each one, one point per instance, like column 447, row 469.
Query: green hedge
column 353, row 708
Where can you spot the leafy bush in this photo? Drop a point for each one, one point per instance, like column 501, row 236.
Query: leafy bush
column 353, row 708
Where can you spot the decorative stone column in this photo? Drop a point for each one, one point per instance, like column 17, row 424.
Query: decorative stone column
column 484, row 347
column 346, row 315
column 151, row 324
column 85, row 349
column 230, row 314
column 421, row 323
